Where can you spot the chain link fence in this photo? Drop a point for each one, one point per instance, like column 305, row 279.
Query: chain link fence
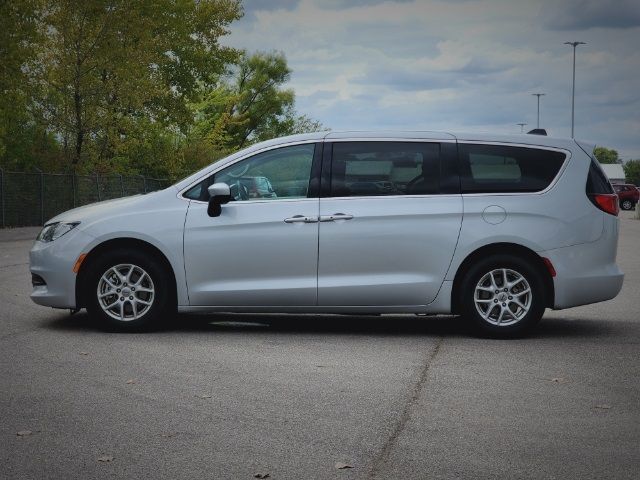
column 30, row 199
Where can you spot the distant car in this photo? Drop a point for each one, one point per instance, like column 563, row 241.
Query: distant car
column 496, row 228
column 628, row 195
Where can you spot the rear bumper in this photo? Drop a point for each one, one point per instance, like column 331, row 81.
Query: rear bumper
column 587, row 273
column 571, row 291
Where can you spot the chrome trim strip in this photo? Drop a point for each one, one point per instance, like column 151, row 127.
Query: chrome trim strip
column 390, row 139
column 373, row 197
column 261, row 200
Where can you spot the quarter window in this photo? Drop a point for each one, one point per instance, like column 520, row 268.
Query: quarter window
column 385, row 168
column 597, row 181
column 499, row 168
column 275, row 174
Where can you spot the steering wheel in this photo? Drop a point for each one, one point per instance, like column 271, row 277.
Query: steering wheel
column 239, row 191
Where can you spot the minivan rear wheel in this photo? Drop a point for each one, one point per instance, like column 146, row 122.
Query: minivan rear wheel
column 128, row 291
column 502, row 296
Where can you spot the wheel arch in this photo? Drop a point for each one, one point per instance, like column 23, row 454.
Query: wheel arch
column 502, row 248
column 122, row 242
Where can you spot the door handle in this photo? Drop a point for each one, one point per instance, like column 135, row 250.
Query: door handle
column 300, row 219
column 335, row 216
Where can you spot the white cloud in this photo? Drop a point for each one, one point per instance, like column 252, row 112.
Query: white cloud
column 457, row 64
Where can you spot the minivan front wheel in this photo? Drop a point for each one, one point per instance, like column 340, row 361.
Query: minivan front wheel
column 502, row 296
column 128, row 291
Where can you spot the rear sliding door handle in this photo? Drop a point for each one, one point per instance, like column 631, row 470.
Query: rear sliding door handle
column 301, row 219
column 335, row 216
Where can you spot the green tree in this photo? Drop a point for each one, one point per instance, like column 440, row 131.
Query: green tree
column 293, row 123
column 251, row 105
column 606, row 155
column 19, row 37
column 134, row 86
column 109, row 67
column 632, row 171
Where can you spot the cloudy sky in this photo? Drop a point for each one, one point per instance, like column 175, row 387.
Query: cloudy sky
column 466, row 65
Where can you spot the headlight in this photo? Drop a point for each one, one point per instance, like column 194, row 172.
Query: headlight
column 55, row 230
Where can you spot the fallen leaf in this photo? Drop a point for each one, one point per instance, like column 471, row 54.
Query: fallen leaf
column 261, row 475
column 83, row 353
column 24, row 433
column 105, row 458
column 168, row 435
column 603, row 406
column 342, row 466
column 130, row 382
column 203, row 396
column 558, row 380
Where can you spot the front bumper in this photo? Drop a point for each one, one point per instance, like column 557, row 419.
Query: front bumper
column 53, row 262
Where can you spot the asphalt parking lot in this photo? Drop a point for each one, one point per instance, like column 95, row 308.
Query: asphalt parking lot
column 393, row 397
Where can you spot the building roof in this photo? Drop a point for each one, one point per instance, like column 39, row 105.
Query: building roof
column 613, row 170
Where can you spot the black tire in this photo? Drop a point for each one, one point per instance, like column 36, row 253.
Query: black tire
column 162, row 300
column 626, row 205
column 511, row 325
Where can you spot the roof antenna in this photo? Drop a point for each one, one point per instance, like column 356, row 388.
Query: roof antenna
column 537, row 131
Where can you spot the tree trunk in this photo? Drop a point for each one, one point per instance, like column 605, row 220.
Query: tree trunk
column 77, row 103
column 77, row 106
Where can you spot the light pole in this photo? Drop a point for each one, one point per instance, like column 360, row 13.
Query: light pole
column 521, row 127
column 573, row 89
column 538, row 95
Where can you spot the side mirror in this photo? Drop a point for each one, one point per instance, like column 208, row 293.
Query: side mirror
column 219, row 194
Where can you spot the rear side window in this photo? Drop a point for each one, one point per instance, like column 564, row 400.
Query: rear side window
column 385, row 168
column 597, row 181
column 500, row 168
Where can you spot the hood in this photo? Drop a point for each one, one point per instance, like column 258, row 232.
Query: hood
column 87, row 214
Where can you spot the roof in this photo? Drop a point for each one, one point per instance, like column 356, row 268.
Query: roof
column 521, row 138
column 613, row 170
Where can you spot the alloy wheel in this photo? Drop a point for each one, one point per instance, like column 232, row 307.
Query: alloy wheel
column 503, row 297
column 125, row 292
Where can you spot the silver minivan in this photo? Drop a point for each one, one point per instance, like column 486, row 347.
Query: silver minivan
column 494, row 228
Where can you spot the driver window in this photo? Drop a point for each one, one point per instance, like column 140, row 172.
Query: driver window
column 279, row 173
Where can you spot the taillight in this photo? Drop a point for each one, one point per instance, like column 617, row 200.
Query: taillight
column 607, row 202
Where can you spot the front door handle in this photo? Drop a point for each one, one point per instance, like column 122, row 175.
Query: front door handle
column 300, row 219
column 335, row 216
